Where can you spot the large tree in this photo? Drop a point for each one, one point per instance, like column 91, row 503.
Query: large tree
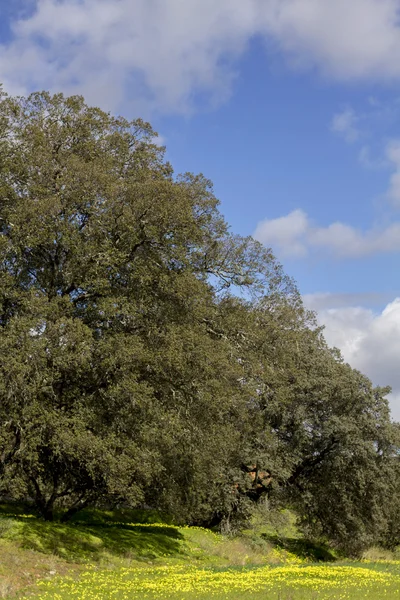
column 110, row 269
column 147, row 355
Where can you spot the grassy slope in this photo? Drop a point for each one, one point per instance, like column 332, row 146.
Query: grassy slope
column 108, row 555
column 32, row 550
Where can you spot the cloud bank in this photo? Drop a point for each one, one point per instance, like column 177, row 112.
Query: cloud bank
column 296, row 236
column 369, row 341
column 157, row 54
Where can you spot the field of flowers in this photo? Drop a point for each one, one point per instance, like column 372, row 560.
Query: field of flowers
column 105, row 555
column 289, row 582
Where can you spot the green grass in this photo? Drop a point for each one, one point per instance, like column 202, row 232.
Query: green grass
column 92, row 537
column 279, row 583
column 130, row 554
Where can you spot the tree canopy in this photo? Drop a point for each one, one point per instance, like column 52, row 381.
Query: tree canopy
column 149, row 356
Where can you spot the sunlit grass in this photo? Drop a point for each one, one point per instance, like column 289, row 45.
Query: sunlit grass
column 178, row 582
column 104, row 555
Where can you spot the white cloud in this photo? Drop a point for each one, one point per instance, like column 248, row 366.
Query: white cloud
column 152, row 54
column 295, row 236
column 158, row 53
column 287, row 233
column 345, row 39
column 345, row 124
column 370, row 342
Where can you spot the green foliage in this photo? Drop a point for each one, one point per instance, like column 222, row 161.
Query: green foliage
column 108, row 372
column 148, row 357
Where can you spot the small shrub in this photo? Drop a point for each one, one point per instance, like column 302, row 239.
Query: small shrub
column 377, row 554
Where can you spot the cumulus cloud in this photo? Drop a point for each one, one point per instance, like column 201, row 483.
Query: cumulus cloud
column 295, row 236
column 287, row 233
column 345, row 124
column 346, row 39
column 150, row 53
column 158, row 53
column 369, row 341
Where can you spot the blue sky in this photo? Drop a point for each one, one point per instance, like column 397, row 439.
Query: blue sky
column 270, row 150
column 291, row 107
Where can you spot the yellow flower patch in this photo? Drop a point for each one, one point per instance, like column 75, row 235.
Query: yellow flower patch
column 191, row 582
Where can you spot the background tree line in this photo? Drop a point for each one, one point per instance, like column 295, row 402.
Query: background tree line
column 149, row 356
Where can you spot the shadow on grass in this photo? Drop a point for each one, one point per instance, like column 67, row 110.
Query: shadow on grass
column 92, row 542
column 302, row 548
column 16, row 509
column 95, row 535
column 81, row 543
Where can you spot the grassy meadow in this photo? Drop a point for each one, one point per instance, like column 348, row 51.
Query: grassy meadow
column 132, row 555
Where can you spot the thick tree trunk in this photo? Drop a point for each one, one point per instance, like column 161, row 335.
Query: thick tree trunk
column 74, row 509
column 48, row 514
column 45, row 507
